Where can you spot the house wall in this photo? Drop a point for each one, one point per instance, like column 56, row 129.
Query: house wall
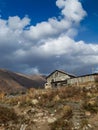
column 80, row 80
column 57, row 76
column 57, row 79
column 48, row 85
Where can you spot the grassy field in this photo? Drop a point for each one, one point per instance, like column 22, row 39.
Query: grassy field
column 52, row 109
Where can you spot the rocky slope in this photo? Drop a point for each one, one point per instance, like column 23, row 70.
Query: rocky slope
column 57, row 109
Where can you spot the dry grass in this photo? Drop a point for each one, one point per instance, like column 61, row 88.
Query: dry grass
column 53, row 101
column 45, row 97
column 64, row 120
column 7, row 114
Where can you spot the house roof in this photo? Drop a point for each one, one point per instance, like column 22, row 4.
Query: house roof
column 87, row 75
column 61, row 72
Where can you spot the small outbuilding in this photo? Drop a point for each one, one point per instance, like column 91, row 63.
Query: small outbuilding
column 57, row 78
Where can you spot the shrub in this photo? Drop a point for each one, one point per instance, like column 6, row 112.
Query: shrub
column 63, row 122
column 90, row 106
column 7, row 114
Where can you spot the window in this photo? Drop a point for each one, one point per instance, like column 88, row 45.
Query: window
column 55, row 84
column 52, row 80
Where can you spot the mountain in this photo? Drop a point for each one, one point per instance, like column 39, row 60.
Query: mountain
column 15, row 82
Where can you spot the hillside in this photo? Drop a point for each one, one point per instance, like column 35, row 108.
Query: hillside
column 14, row 82
column 65, row 108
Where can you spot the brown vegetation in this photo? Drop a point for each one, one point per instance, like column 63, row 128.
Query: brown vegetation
column 55, row 107
column 7, row 115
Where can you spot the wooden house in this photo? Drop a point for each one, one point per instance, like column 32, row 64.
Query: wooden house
column 58, row 78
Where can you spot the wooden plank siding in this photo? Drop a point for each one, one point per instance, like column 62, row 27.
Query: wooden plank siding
column 80, row 80
column 60, row 78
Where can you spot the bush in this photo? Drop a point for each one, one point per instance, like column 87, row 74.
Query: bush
column 63, row 122
column 90, row 106
column 7, row 114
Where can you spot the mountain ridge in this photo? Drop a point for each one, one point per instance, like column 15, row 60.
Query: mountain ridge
column 14, row 82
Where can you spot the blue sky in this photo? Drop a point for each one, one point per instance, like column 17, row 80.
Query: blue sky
column 42, row 10
column 35, row 9
column 90, row 23
column 41, row 36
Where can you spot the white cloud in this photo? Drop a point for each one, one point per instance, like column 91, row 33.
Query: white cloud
column 71, row 9
column 32, row 70
column 47, row 45
column 17, row 23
